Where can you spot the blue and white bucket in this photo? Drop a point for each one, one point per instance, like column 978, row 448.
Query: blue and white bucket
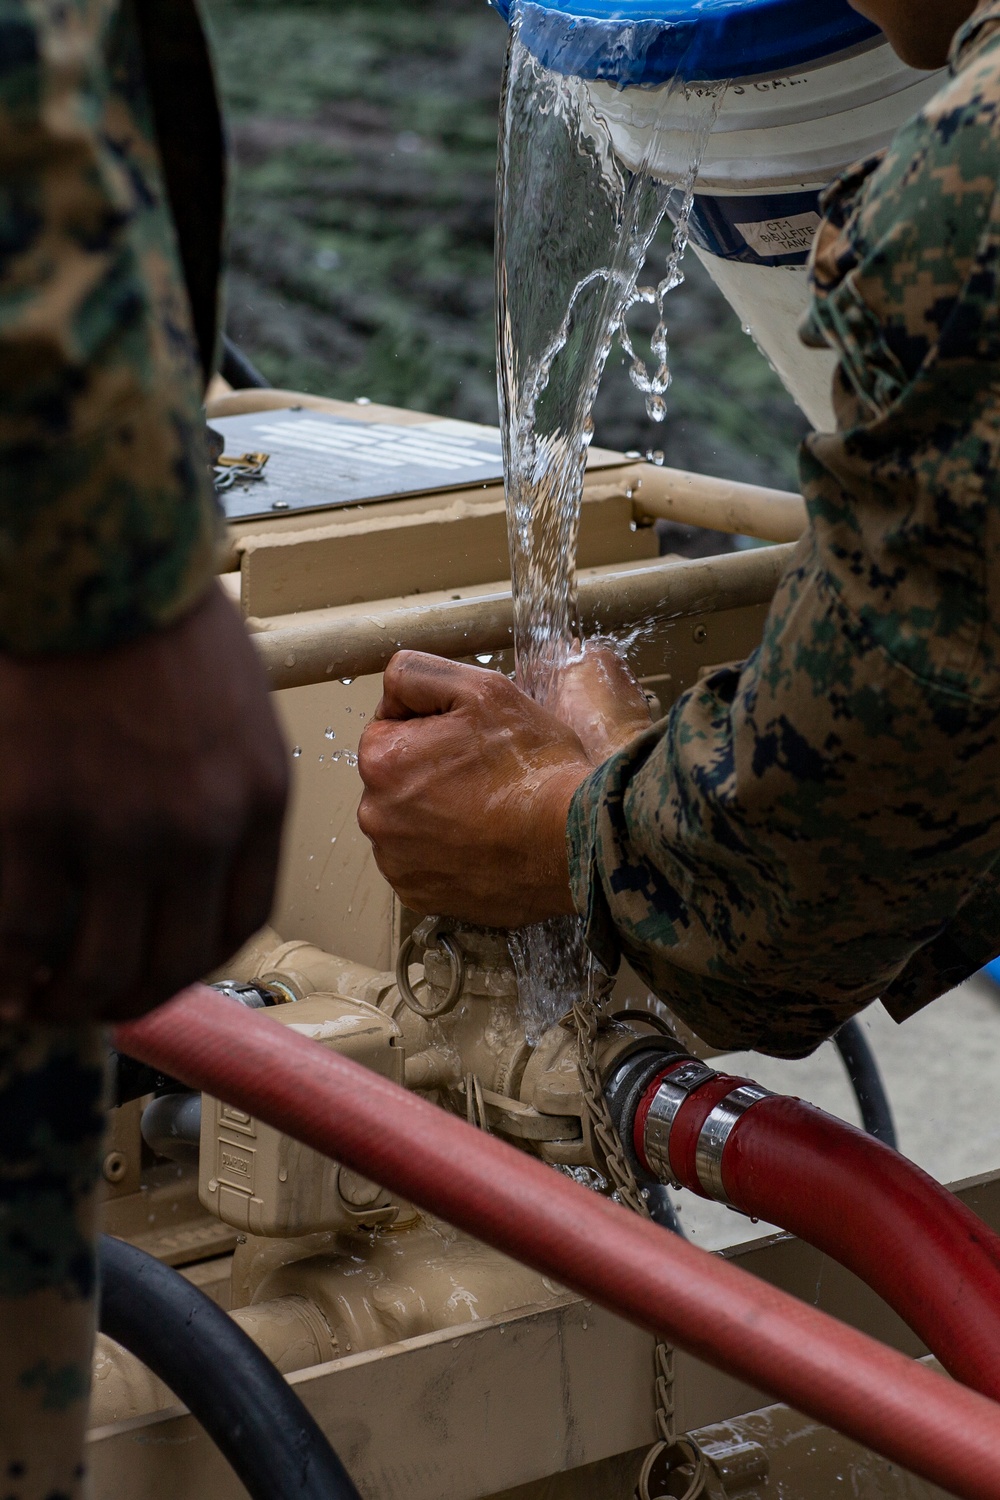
column 813, row 87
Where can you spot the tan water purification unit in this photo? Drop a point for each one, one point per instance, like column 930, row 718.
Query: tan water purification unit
column 440, row 1369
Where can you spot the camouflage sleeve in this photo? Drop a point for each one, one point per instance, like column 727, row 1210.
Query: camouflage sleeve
column 805, row 829
column 107, row 520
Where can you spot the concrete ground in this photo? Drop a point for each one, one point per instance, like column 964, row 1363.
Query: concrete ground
column 942, row 1074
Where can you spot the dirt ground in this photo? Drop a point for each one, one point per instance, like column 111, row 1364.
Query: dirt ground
column 364, row 141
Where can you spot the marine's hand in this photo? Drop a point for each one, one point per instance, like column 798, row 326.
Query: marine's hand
column 597, row 696
column 142, row 791
column 467, row 790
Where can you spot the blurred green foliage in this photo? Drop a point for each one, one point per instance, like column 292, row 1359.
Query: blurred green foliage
column 364, row 139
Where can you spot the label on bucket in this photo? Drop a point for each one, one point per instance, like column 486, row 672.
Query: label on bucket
column 767, row 229
column 792, row 235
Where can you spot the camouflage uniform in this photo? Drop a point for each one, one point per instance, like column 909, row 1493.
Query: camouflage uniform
column 820, row 825
column 111, row 181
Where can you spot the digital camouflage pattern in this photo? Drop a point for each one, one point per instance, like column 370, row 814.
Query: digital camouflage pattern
column 107, row 520
column 820, row 825
column 51, row 1126
column 107, row 529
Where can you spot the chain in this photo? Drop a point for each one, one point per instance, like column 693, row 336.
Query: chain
column 619, row 1173
column 616, row 1166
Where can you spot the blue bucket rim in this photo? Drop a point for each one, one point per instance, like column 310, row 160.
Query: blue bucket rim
column 648, row 42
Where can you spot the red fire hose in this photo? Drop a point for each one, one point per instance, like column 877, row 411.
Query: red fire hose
column 939, row 1430
column 907, row 1237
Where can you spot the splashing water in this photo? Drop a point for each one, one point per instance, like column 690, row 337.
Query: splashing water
column 574, row 226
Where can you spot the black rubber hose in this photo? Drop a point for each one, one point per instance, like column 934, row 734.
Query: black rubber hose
column 866, row 1081
column 244, row 1404
column 661, row 1208
column 129, row 1079
column 242, row 373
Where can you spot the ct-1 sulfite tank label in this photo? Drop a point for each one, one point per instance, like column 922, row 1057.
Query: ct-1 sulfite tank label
column 788, row 236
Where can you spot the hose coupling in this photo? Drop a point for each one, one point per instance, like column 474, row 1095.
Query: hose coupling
column 628, row 1084
column 676, row 1115
column 715, row 1133
column 664, row 1106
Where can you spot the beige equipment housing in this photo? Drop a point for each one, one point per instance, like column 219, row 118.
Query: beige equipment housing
column 440, row 1369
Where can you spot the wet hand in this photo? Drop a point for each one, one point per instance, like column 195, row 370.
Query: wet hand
column 598, row 697
column 468, row 784
column 142, row 791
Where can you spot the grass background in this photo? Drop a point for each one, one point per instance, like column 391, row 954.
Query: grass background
column 361, row 264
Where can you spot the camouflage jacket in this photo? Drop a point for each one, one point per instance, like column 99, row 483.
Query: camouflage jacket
column 111, row 184
column 820, row 825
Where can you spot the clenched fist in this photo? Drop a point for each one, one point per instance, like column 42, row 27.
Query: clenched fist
column 142, row 791
column 468, row 783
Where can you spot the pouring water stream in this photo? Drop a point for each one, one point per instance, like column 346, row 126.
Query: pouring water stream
column 574, row 228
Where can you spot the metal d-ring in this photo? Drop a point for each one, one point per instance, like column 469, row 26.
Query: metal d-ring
column 455, row 957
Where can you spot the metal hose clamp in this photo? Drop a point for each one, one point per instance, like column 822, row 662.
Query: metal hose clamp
column 716, row 1132
column 667, row 1100
column 426, row 935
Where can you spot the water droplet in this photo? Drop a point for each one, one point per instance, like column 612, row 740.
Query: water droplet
column 485, row 659
column 329, row 733
column 296, row 751
column 347, row 681
column 290, row 659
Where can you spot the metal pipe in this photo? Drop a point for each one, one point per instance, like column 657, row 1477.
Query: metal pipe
column 290, row 1331
column 171, row 1126
column 358, row 645
column 719, row 504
